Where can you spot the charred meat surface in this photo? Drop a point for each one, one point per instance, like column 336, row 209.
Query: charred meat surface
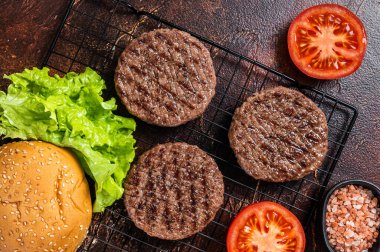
column 173, row 191
column 279, row 135
column 165, row 77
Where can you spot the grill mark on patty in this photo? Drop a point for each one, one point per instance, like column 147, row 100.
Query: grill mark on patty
column 179, row 195
column 256, row 159
column 184, row 167
column 205, row 183
column 203, row 69
column 152, row 72
column 294, row 129
column 144, row 93
column 191, row 59
column 200, row 85
column 181, row 56
column 161, row 59
column 280, row 141
column 181, row 84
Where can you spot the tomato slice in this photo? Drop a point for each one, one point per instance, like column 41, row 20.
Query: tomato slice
column 327, row 41
column 265, row 227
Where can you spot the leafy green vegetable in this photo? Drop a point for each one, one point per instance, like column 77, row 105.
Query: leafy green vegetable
column 70, row 112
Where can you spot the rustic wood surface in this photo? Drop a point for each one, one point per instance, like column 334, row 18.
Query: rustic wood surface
column 254, row 28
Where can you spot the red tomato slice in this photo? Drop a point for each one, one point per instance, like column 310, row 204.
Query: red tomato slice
column 265, row 227
column 327, row 41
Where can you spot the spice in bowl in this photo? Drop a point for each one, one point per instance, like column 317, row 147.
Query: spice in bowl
column 352, row 219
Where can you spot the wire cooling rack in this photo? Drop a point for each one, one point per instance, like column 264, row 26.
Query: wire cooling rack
column 94, row 33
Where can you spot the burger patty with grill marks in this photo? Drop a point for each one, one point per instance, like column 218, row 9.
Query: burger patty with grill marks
column 173, row 191
column 279, row 135
column 165, row 77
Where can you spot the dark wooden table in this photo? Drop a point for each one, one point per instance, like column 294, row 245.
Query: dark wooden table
column 255, row 28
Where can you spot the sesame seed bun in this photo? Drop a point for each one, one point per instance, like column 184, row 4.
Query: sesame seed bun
column 45, row 199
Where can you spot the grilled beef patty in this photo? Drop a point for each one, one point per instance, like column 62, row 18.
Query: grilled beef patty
column 165, row 77
column 173, row 191
column 279, row 135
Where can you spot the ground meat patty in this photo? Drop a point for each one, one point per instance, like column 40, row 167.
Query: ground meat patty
column 165, row 77
column 279, row 135
column 173, row 191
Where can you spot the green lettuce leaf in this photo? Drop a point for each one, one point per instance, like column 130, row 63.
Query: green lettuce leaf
column 70, row 112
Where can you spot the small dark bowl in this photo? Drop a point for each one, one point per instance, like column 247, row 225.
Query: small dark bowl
column 376, row 192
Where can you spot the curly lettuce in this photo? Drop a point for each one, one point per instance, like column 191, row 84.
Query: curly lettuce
column 70, row 112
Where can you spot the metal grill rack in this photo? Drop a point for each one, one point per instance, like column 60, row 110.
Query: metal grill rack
column 94, row 33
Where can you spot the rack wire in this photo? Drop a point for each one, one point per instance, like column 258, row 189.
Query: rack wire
column 94, row 33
